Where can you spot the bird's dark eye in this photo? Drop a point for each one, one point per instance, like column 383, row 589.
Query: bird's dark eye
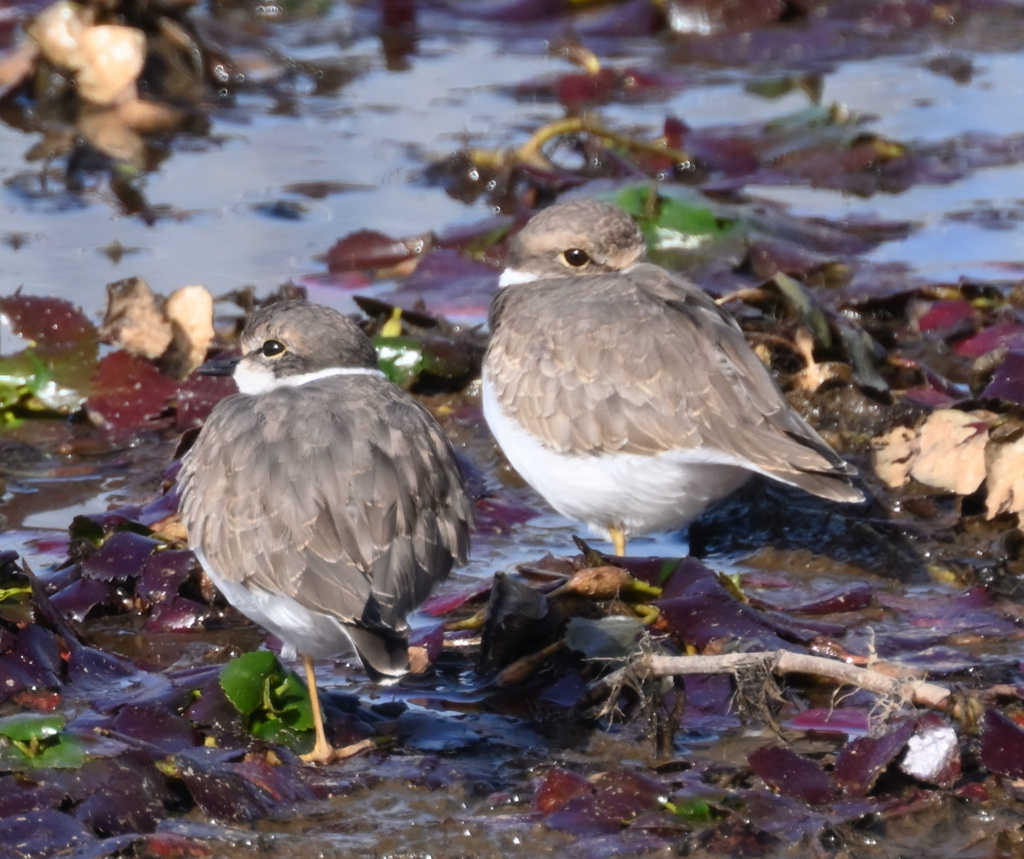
column 576, row 257
column 272, row 348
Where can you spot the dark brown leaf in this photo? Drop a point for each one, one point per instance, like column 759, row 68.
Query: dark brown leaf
column 793, row 774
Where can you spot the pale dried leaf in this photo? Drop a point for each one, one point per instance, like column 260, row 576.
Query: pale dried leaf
column 171, row 529
column 190, row 312
column 419, row 659
column 1005, row 479
column 134, row 320
column 952, row 453
column 601, row 583
column 147, row 117
column 814, row 376
column 109, row 133
column 895, row 454
column 111, row 58
column 57, row 31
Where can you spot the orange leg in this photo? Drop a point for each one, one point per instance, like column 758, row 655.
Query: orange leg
column 323, row 752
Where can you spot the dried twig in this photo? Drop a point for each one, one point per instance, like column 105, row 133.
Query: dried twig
column 781, row 662
column 531, row 152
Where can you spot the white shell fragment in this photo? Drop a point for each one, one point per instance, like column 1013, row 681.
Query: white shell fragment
column 933, row 753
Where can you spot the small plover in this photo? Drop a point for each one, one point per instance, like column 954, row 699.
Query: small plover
column 323, row 501
column 624, row 394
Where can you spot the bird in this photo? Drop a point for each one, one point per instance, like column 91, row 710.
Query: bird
column 323, row 501
column 623, row 393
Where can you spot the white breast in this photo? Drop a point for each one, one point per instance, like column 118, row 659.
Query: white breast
column 635, row 493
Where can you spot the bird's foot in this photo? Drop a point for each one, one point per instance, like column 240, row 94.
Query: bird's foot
column 325, row 753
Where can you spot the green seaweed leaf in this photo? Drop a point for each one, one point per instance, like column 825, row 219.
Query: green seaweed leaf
column 274, row 701
column 16, row 605
column 38, row 380
column 25, row 727
column 35, row 741
column 683, row 220
column 401, row 358
column 692, row 810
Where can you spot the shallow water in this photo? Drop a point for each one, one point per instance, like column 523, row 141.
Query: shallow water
column 377, row 132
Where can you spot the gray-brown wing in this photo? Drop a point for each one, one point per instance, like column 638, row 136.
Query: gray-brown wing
column 353, row 510
column 652, row 365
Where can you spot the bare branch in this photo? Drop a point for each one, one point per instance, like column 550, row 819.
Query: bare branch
column 781, row 662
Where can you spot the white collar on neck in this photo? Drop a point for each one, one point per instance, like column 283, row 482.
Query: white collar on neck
column 251, row 381
column 514, row 277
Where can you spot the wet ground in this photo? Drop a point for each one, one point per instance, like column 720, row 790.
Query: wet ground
column 874, row 151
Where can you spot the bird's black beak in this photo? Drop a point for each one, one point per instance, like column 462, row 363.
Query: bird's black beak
column 222, row 365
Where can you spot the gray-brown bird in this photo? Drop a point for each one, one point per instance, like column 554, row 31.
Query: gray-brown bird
column 624, row 394
column 323, row 501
